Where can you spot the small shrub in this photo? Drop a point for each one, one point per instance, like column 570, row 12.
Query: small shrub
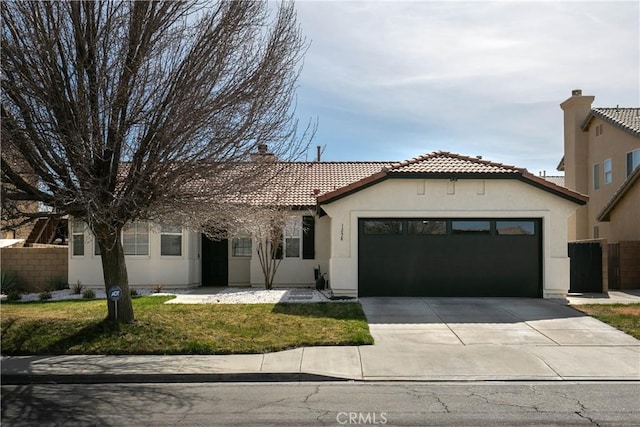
column 88, row 294
column 158, row 288
column 14, row 296
column 77, row 288
column 58, row 283
column 133, row 292
column 9, row 282
column 45, row 295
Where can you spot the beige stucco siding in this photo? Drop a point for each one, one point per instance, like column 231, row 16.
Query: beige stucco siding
column 143, row 271
column 585, row 147
column 613, row 144
column 239, row 270
column 625, row 216
column 298, row 271
column 407, row 198
column 185, row 270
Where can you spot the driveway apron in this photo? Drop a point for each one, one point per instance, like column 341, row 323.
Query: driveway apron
column 459, row 338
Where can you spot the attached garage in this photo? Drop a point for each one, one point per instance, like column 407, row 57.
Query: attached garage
column 443, row 224
column 476, row 257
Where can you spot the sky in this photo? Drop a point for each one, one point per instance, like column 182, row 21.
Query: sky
column 391, row 80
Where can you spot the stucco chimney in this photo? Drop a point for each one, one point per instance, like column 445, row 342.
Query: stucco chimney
column 263, row 154
column 576, row 150
column 576, row 109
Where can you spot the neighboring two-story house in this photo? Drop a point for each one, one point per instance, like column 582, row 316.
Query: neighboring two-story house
column 601, row 159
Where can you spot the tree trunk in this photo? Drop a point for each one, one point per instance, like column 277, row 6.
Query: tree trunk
column 269, row 262
column 114, row 271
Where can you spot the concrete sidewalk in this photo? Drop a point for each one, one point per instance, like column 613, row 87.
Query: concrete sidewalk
column 417, row 339
column 365, row 363
column 629, row 296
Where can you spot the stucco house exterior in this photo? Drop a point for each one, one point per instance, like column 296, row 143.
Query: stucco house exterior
column 623, row 210
column 438, row 224
column 601, row 150
column 602, row 160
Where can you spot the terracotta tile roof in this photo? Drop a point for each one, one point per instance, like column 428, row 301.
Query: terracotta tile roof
column 557, row 180
column 299, row 183
column 442, row 164
column 627, row 119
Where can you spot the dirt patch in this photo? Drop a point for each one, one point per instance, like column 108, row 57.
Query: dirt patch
column 627, row 310
column 630, row 310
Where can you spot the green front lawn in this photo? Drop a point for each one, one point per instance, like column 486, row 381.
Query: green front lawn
column 625, row 317
column 77, row 327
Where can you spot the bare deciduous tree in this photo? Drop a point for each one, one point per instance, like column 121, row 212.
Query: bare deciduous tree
column 128, row 110
column 267, row 228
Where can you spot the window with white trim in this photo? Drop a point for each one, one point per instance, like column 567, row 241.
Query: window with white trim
column 293, row 237
column 135, row 238
column 633, row 160
column 241, row 247
column 608, row 173
column 77, row 238
column 170, row 240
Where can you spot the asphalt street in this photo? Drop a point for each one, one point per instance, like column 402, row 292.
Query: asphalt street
column 324, row 403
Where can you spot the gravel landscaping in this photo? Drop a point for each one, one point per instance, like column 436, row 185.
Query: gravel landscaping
column 198, row 296
column 252, row 296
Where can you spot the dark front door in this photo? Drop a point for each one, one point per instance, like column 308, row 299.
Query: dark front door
column 215, row 262
column 450, row 257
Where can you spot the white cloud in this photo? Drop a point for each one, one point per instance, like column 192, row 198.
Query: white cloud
column 482, row 77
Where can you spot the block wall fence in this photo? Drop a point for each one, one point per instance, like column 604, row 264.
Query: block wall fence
column 35, row 267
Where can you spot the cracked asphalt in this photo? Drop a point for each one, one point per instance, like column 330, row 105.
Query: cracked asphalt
column 325, row 404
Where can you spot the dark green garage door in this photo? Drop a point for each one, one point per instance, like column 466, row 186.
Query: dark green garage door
column 449, row 257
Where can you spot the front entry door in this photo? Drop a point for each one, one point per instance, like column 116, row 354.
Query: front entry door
column 215, row 262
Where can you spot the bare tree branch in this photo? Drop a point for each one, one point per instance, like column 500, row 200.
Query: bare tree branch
column 127, row 109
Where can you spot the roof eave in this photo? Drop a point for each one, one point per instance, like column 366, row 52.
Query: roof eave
column 522, row 175
column 565, row 193
column 352, row 188
column 594, row 113
column 605, row 214
column 587, row 121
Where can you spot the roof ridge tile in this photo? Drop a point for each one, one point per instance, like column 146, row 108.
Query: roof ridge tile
column 626, row 118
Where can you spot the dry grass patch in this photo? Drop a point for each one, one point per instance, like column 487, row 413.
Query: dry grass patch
column 78, row 327
column 625, row 317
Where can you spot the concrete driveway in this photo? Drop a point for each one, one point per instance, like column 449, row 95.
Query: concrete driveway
column 469, row 321
column 441, row 339
column 496, row 337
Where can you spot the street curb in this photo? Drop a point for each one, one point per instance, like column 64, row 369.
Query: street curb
column 31, row 379
column 25, row 379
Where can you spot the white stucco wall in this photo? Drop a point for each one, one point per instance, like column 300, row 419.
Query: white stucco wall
column 186, row 270
column 143, row 271
column 414, row 198
column 239, row 270
column 298, row 271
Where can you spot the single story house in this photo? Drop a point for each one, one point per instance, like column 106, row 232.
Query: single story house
column 440, row 224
